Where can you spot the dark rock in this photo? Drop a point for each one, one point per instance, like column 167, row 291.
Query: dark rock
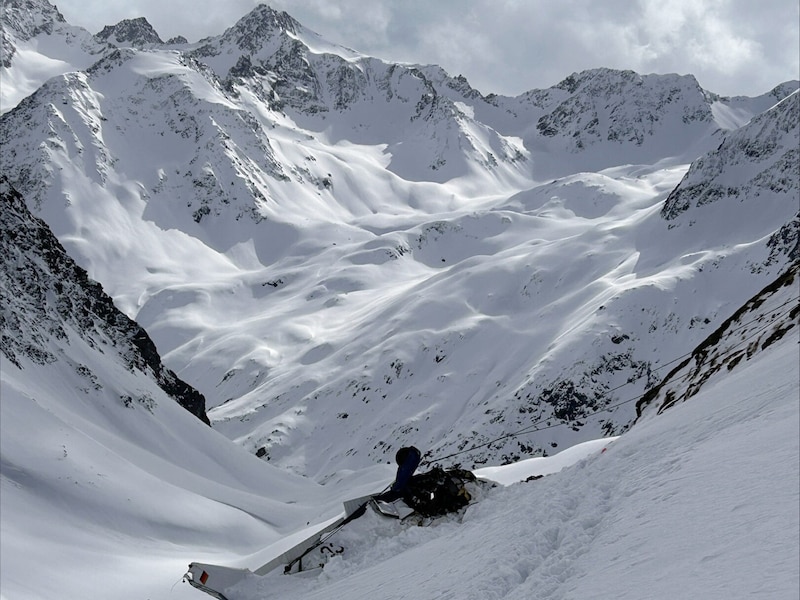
column 44, row 293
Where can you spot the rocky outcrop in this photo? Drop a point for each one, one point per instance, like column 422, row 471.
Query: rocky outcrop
column 604, row 105
column 763, row 157
column 37, row 27
column 761, row 322
column 47, row 299
column 752, row 175
column 130, row 32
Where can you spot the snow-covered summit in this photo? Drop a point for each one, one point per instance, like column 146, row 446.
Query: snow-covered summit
column 337, row 92
column 263, row 22
column 25, row 19
column 257, row 35
column 38, row 43
column 605, row 116
column 137, row 33
column 622, row 106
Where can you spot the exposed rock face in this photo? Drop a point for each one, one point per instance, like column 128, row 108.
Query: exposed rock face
column 130, row 32
column 23, row 20
column 763, row 320
column 38, row 28
column 47, row 299
column 761, row 157
column 604, row 105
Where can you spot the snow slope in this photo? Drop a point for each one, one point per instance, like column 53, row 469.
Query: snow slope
column 121, row 495
column 237, row 197
column 107, row 470
column 699, row 502
column 38, row 43
column 345, row 255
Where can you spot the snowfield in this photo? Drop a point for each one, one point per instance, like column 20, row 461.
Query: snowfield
column 329, row 256
column 698, row 502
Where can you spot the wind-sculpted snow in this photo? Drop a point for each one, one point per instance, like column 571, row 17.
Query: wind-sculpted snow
column 331, row 89
column 23, row 20
column 98, row 460
column 346, row 255
column 37, row 43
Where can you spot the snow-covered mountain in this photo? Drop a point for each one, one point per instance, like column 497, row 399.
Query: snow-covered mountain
column 38, row 43
column 757, row 165
column 101, row 459
column 292, row 262
column 700, row 501
column 137, row 33
column 761, row 322
column 345, row 255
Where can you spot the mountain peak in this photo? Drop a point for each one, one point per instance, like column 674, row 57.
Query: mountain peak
column 129, row 32
column 22, row 20
column 572, row 83
column 597, row 79
column 265, row 16
column 259, row 25
column 28, row 18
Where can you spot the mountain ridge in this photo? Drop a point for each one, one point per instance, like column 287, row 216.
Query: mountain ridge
column 137, row 32
column 327, row 256
column 39, row 319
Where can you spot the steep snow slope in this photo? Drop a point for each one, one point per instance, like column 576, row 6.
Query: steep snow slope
column 732, row 113
column 750, row 179
column 699, row 502
column 47, row 299
column 346, row 255
column 107, row 484
column 765, row 319
column 341, row 95
column 119, row 496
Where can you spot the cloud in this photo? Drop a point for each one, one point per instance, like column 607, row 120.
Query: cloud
column 511, row 46
column 194, row 19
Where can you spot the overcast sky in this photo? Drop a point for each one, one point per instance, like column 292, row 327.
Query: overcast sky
column 510, row 46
